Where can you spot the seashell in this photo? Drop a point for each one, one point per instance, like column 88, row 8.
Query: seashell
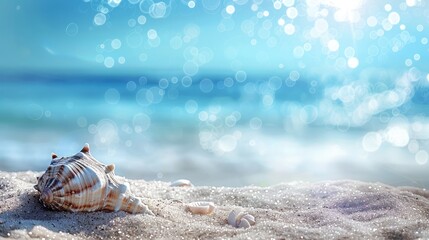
column 240, row 220
column 244, row 224
column 249, row 218
column 81, row 183
column 232, row 218
column 201, row 207
column 181, row 183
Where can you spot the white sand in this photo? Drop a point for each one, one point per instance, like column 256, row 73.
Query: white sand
column 325, row 210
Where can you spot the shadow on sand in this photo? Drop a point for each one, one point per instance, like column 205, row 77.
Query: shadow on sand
column 30, row 213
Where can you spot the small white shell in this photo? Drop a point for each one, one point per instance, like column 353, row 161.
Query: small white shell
column 201, row 207
column 181, row 183
column 249, row 218
column 232, row 218
column 244, row 224
column 240, row 220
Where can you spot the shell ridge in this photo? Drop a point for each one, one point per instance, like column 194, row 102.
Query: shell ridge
column 47, row 183
column 82, row 189
column 47, row 179
column 46, row 189
column 61, row 192
column 130, row 204
column 59, row 189
column 133, row 204
column 74, row 187
column 89, row 177
column 68, row 176
column 78, row 169
column 87, row 183
column 111, row 194
column 61, row 177
column 118, row 204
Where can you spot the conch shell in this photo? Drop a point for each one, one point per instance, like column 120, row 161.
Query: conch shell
column 81, row 183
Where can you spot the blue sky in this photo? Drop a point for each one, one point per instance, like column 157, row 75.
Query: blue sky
column 62, row 36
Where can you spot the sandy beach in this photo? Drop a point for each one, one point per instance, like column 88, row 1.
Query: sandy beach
column 298, row 210
column 291, row 119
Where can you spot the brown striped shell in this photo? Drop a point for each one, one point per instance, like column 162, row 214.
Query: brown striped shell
column 81, row 183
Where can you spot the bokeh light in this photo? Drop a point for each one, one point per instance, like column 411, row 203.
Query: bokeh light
column 298, row 89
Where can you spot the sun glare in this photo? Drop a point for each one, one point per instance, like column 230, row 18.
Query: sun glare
column 344, row 4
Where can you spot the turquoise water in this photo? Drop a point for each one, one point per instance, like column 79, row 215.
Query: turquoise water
column 211, row 133
column 230, row 92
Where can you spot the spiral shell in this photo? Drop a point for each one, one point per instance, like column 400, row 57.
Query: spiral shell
column 81, row 183
column 240, row 219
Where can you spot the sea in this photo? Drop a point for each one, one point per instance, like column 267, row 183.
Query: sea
column 222, row 130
